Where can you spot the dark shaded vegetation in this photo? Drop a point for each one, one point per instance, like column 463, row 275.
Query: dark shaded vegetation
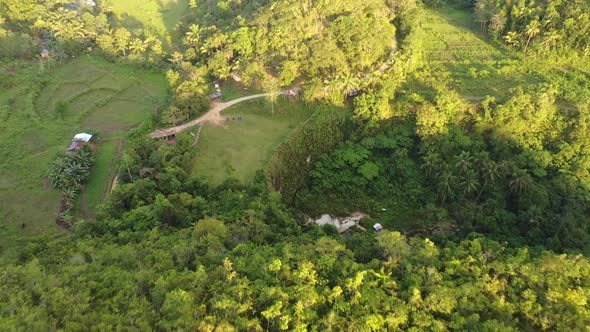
column 164, row 245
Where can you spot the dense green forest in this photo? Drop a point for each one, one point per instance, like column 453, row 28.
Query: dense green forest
column 484, row 193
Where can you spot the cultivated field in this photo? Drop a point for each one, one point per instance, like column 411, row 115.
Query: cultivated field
column 41, row 111
column 477, row 66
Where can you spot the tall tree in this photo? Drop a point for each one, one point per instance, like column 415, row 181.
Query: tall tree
column 532, row 30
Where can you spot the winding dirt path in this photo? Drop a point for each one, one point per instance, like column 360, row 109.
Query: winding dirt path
column 213, row 116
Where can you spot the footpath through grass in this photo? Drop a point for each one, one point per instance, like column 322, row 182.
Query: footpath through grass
column 34, row 129
column 105, row 158
column 248, row 140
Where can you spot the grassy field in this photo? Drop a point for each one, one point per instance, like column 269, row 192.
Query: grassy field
column 96, row 94
column 101, row 177
column 242, row 147
column 477, row 66
column 155, row 17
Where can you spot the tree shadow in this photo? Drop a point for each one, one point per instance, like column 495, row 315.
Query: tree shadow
column 126, row 21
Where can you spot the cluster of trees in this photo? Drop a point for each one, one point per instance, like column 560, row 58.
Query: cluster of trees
column 66, row 29
column 121, row 43
column 188, row 83
column 69, row 27
column 517, row 170
column 68, row 173
column 562, row 25
column 330, row 46
column 291, row 163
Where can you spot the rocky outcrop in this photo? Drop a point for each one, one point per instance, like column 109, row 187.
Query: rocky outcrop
column 341, row 224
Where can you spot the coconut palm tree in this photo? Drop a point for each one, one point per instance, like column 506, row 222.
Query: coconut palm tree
column 273, row 90
column 446, row 185
column 464, row 162
column 193, row 36
column 431, row 163
column 512, row 38
column 137, row 46
column 520, row 181
column 490, row 173
column 550, row 39
column 470, row 183
column 532, row 29
column 347, row 83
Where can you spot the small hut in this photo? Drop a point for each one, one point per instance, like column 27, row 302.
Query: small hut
column 45, row 53
column 82, row 137
column 215, row 95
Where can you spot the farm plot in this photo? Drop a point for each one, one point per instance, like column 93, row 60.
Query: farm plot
column 478, row 68
column 41, row 113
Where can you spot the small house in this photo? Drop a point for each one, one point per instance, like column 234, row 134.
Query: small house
column 78, row 141
column 45, row 53
column 216, row 95
column 82, row 137
column 377, row 227
column 75, row 146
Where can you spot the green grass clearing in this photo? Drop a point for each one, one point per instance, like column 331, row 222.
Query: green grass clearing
column 153, row 17
column 242, row 147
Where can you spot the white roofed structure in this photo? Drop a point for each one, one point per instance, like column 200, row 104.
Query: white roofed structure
column 82, row 137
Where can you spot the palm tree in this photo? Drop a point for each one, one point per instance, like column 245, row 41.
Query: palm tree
column 176, row 58
column 330, row 85
column 431, row 163
column 519, row 181
column 490, row 174
column 464, row 161
column 470, row 184
column 193, row 35
column 137, row 46
column 347, row 83
column 550, row 39
column 532, row 29
column 273, row 90
column 446, row 185
column 512, row 38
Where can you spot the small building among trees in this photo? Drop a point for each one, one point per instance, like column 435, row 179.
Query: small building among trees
column 215, row 95
column 78, row 141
